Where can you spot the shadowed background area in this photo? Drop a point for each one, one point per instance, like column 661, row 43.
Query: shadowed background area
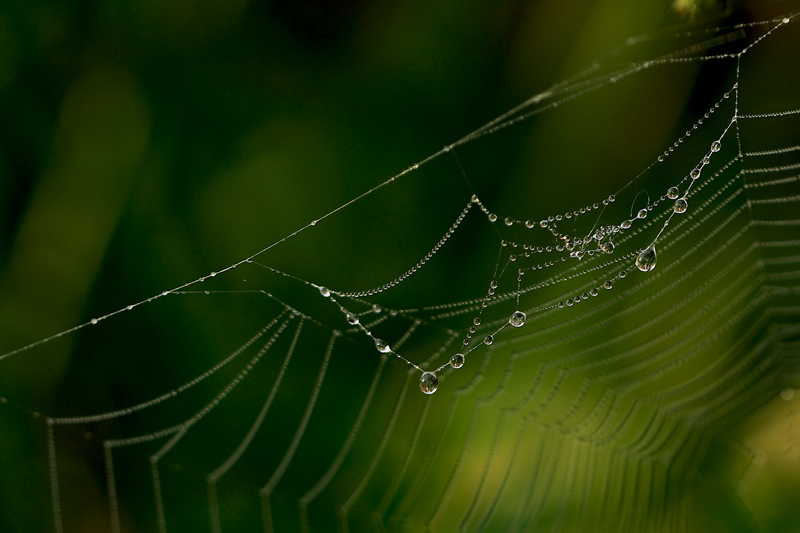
column 146, row 144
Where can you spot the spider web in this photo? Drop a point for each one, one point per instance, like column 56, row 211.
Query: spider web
column 652, row 365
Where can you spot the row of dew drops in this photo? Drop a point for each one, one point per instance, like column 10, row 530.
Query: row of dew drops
column 645, row 262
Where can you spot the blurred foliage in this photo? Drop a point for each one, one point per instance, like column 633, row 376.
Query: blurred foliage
column 146, row 143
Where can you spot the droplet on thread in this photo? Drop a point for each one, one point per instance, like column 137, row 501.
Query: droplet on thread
column 352, row 319
column 673, row 193
column 716, row 146
column 695, row 173
column 488, row 340
column 642, row 213
column 509, row 221
column 517, row 319
column 428, row 383
column 680, row 205
column 325, row 291
column 608, row 284
column 382, row 346
column 457, row 360
column 646, row 261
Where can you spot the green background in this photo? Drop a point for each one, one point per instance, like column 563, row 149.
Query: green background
column 145, row 144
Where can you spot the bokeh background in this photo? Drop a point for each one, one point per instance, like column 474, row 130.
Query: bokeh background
column 145, row 144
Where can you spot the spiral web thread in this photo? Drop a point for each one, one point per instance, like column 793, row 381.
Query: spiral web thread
column 557, row 419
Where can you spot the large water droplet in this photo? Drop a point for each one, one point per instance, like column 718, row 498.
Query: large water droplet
column 673, row 193
column 517, row 319
column 608, row 247
column 428, row 383
column 457, row 361
column 476, row 321
column 695, row 173
column 647, row 259
column 715, row 146
column 509, row 221
column 680, row 205
column 642, row 213
column 382, row 346
column 325, row 291
column 488, row 340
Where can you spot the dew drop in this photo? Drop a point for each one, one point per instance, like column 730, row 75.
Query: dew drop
column 786, row 20
column 570, row 302
column 561, row 305
column 517, row 319
column 493, row 284
column 475, row 199
column 626, row 224
column 488, row 340
column 352, row 319
column 376, row 308
column 509, row 221
column 382, row 346
column 492, row 217
column 476, row 321
column 642, row 213
column 646, row 261
column 673, row 193
column 608, row 247
column 680, row 205
column 529, row 224
column 594, row 291
column 715, row 146
column 695, row 173
column 325, row 291
column 543, row 223
column 457, row 361
column 94, row 321
column 428, row 383
column 622, row 273
column 608, row 284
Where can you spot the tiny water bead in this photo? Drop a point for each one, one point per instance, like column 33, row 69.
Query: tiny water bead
column 382, row 346
column 492, row 217
column 352, row 319
column 716, row 146
column 646, row 261
column 428, row 383
column 457, row 360
column 325, row 291
column 593, row 292
column 680, row 205
column 517, row 319
column 608, row 284
column 622, row 273
column 488, row 340
column 673, row 193
column 476, row 321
